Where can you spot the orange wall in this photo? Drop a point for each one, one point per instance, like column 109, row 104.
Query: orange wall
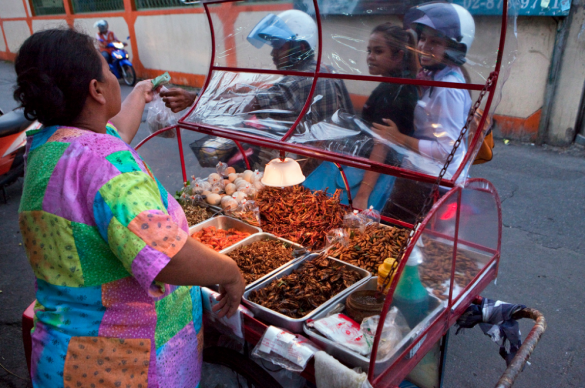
column 228, row 13
column 513, row 127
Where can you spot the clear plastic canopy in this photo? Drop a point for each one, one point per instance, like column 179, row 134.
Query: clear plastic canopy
column 384, row 85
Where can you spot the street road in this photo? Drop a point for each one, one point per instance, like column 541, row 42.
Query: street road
column 543, row 260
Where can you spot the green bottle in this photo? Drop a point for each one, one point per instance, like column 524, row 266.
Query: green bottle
column 410, row 296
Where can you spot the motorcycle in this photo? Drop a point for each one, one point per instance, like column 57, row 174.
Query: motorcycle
column 13, row 127
column 120, row 64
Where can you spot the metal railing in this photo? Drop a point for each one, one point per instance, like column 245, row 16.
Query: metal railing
column 85, row 6
column 51, row 7
column 153, row 4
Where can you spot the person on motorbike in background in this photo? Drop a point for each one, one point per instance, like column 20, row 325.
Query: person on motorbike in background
column 105, row 37
column 445, row 34
column 293, row 38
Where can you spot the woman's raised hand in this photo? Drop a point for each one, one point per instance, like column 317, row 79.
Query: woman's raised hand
column 145, row 88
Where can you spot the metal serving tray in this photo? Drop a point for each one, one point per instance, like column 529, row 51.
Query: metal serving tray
column 355, row 359
column 261, row 237
column 296, row 325
column 225, row 223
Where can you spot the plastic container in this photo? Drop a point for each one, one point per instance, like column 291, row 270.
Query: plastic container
column 410, row 296
column 389, row 265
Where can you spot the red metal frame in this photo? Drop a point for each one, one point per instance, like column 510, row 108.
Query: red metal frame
column 455, row 307
column 349, row 160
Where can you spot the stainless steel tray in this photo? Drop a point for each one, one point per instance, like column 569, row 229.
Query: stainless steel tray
column 261, row 237
column 355, row 359
column 296, row 325
column 225, row 223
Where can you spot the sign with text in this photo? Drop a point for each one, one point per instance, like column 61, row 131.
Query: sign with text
column 525, row 7
column 398, row 7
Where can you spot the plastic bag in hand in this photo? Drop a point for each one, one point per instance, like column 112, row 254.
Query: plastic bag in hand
column 159, row 117
column 395, row 327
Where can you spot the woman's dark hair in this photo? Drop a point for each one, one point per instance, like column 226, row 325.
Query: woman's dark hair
column 54, row 68
column 399, row 39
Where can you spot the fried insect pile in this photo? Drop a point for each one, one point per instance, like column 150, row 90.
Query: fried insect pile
column 308, row 287
column 195, row 213
column 297, row 214
column 261, row 257
column 369, row 249
column 435, row 270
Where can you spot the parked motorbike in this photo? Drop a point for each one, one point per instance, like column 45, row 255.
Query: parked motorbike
column 13, row 127
column 120, row 64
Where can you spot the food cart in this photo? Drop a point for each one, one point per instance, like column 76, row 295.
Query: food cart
column 460, row 221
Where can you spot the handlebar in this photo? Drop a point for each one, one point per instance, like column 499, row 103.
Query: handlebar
column 518, row 362
column 113, row 45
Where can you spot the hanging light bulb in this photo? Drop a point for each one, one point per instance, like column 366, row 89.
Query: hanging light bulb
column 282, row 173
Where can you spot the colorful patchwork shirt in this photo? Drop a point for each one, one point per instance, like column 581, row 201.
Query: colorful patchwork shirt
column 98, row 227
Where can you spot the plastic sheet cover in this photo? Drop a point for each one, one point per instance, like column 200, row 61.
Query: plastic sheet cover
column 393, row 122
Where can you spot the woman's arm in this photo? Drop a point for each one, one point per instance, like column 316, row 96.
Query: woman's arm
column 128, row 119
column 379, row 152
column 197, row 264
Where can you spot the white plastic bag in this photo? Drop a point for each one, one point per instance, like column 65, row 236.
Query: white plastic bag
column 290, row 351
column 395, row 327
column 159, row 116
column 343, row 330
column 235, row 323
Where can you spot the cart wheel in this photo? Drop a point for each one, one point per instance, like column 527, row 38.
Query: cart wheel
column 242, row 365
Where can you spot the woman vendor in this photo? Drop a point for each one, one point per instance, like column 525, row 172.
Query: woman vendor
column 445, row 33
column 390, row 54
column 118, row 302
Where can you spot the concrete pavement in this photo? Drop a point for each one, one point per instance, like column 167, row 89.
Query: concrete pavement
column 543, row 261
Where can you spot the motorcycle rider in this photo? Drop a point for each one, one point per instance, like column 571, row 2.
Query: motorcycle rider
column 105, row 37
column 445, row 34
column 293, row 38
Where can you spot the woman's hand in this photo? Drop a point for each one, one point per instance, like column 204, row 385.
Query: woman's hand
column 389, row 131
column 361, row 201
column 177, row 99
column 230, row 297
column 145, row 89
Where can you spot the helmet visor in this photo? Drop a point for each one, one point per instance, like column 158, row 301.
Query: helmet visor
column 272, row 31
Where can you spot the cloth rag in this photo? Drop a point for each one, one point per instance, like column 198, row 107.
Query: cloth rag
column 495, row 320
column 330, row 373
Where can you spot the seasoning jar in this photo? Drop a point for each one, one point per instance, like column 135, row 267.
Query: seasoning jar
column 383, row 270
column 363, row 304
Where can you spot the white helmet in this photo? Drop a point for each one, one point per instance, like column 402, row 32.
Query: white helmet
column 287, row 26
column 451, row 20
column 101, row 25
